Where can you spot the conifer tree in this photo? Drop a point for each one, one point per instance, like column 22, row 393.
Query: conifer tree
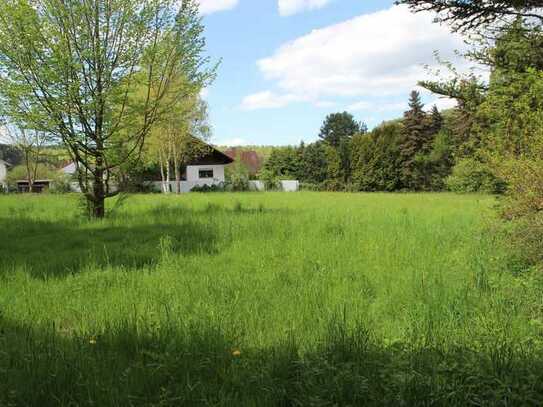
column 313, row 163
column 436, row 121
column 414, row 139
column 338, row 127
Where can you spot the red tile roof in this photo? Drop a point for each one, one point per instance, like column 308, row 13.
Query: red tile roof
column 250, row 158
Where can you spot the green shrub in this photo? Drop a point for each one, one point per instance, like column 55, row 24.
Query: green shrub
column 237, row 176
column 237, row 182
column 61, row 184
column 522, row 207
column 470, row 175
column 209, row 188
column 270, row 179
column 525, row 236
column 333, row 185
column 309, row 186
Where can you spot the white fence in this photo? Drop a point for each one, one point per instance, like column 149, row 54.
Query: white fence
column 186, row 186
column 290, row 186
column 257, row 186
column 74, row 187
column 287, row 186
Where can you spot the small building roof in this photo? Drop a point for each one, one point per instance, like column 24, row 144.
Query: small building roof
column 249, row 158
column 209, row 156
column 38, row 181
column 214, row 157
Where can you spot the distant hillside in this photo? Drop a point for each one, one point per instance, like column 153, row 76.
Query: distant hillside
column 55, row 156
column 253, row 157
column 250, row 158
column 262, row 151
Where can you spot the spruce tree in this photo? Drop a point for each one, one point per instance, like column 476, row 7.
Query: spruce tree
column 436, row 121
column 414, row 140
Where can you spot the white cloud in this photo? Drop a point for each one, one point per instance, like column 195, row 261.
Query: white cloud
column 290, row 7
column 271, row 100
column 324, row 104
column 377, row 106
column 268, row 100
column 378, row 54
column 444, row 103
column 234, row 142
column 212, row 6
column 360, row 106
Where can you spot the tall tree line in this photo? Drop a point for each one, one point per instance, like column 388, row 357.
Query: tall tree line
column 410, row 153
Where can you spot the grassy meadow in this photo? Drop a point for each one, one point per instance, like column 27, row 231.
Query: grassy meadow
column 265, row 299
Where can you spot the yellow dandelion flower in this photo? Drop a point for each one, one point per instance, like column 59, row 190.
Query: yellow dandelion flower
column 236, row 353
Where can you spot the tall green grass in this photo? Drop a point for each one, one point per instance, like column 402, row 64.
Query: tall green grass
column 309, row 299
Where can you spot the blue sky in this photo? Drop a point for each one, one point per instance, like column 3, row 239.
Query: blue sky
column 286, row 64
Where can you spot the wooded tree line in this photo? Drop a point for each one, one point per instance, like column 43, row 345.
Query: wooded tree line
column 413, row 153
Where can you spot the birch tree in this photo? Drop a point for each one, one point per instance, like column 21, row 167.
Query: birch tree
column 179, row 137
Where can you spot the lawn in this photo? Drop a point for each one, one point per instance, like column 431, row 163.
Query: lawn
column 257, row 299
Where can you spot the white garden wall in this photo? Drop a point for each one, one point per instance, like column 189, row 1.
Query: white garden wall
column 290, row 186
column 186, row 186
column 286, row 186
column 257, row 186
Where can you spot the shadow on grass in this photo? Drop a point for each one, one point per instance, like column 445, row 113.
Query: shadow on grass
column 55, row 249
column 237, row 208
column 199, row 365
column 47, row 249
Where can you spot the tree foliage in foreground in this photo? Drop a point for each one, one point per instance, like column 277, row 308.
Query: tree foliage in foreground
column 502, row 142
column 95, row 75
column 469, row 15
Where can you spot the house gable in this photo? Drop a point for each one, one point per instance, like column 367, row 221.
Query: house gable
column 213, row 157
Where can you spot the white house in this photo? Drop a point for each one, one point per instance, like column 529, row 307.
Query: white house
column 3, row 172
column 208, row 169
column 69, row 169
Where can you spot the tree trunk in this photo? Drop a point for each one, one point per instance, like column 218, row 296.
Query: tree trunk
column 177, row 174
column 162, row 173
column 99, row 195
column 168, row 190
column 29, row 177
